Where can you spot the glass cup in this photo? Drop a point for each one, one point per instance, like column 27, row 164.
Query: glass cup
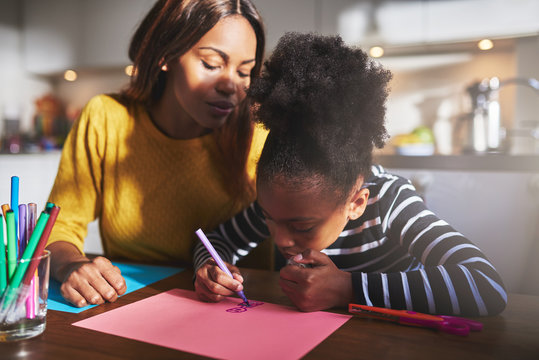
column 23, row 309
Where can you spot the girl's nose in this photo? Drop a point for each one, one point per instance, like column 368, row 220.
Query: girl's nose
column 282, row 239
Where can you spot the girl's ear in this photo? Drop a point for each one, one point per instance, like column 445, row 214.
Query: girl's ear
column 358, row 203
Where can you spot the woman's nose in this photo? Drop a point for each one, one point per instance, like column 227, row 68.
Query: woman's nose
column 228, row 83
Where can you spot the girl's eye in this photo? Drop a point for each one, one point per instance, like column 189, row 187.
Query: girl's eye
column 303, row 230
column 208, row 66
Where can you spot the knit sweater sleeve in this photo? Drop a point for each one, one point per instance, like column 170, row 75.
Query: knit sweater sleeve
column 452, row 275
column 236, row 237
column 77, row 187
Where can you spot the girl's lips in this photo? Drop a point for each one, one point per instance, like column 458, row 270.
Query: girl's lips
column 288, row 256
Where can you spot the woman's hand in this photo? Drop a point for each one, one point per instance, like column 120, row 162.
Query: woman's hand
column 213, row 284
column 93, row 282
column 85, row 281
column 319, row 287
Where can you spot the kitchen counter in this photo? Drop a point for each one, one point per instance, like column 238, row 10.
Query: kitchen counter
column 486, row 162
column 492, row 199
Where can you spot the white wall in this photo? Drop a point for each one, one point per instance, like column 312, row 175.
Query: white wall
column 88, row 84
column 18, row 88
column 36, row 174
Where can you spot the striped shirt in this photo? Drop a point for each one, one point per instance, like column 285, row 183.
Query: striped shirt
column 400, row 254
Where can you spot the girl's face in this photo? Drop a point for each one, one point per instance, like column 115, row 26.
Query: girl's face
column 209, row 81
column 306, row 219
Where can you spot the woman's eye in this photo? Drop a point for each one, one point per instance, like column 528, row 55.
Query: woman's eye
column 243, row 75
column 208, row 66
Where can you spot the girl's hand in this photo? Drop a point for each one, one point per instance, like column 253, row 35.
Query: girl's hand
column 321, row 287
column 92, row 282
column 213, row 284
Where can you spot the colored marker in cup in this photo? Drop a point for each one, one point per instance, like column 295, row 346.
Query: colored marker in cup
column 11, row 233
column 15, row 202
column 218, row 260
column 3, row 271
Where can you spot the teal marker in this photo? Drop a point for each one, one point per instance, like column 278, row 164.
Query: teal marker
column 11, row 243
column 3, row 274
column 49, row 207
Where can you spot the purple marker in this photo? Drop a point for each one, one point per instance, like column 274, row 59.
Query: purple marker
column 217, row 259
column 23, row 236
column 32, row 218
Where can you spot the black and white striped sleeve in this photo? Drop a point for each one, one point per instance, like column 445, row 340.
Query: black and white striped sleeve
column 449, row 274
column 236, row 237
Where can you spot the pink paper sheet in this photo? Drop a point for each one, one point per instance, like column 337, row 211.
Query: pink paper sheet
column 178, row 320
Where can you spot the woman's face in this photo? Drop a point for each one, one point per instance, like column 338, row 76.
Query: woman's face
column 209, row 80
column 308, row 218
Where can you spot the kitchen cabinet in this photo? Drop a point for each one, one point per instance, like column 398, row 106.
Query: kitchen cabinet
column 406, row 23
column 74, row 34
column 62, row 34
column 498, row 210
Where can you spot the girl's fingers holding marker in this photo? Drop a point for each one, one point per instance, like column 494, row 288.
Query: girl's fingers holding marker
column 212, row 284
column 223, row 283
column 238, row 277
column 205, row 294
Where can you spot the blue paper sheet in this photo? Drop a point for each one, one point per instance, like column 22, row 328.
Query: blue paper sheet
column 136, row 277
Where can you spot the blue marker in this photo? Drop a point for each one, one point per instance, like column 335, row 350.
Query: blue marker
column 217, row 259
column 15, row 202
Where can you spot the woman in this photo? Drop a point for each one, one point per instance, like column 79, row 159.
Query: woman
column 175, row 151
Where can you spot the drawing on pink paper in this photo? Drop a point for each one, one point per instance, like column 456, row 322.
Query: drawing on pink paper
column 177, row 319
column 243, row 307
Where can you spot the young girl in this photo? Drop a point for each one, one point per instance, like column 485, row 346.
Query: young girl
column 175, row 151
column 351, row 232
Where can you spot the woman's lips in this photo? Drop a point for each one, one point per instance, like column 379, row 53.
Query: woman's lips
column 221, row 108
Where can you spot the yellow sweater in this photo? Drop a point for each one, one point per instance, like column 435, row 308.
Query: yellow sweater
column 150, row 192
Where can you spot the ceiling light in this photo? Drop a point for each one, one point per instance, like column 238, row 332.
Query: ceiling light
column 485, row 44
column 129, row 70
column 70, row 75
column 376, row 51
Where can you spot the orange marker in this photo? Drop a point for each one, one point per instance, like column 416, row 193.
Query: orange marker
column 5, row 208
column 448, row 324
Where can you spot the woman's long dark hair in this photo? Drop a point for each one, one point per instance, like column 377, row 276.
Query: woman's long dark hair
column 168, row 31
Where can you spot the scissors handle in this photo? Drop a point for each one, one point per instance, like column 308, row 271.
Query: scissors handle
column 454, row 322
column 449, row 324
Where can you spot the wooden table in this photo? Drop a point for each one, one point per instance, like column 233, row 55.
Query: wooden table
column 512, row 335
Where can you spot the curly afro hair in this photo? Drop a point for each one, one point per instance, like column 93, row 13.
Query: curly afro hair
column 324, row 104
